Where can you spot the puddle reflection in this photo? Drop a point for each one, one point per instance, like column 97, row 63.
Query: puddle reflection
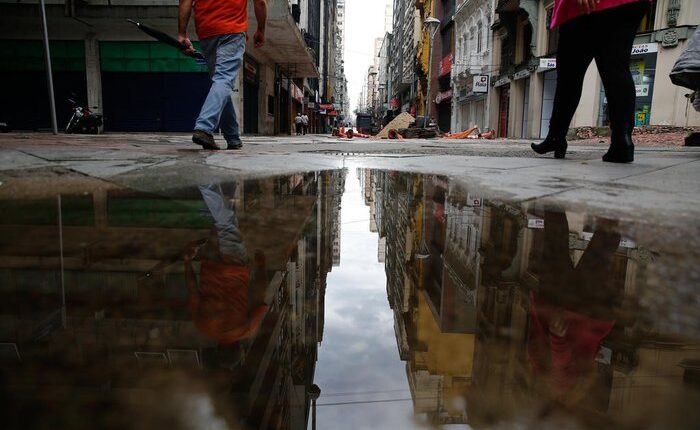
column 205, row 307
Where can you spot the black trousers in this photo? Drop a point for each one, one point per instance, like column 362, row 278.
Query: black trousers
column 607, row 37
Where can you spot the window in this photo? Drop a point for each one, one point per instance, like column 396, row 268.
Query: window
column 447, row 41
column 647, row 23
column 479, row 33
column 552, row 34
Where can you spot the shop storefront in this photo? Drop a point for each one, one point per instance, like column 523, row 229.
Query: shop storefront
column 522, row 83
column 548, row 90
column 470, row 102
column 643, row 68
column 503, row 87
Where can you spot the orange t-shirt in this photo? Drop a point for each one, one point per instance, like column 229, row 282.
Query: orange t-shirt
column 220, row 307
column 217, row 17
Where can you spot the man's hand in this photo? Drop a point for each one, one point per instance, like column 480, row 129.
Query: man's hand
column 185, row 41
column 260, row 7
column 587, row 6
column 259, row 38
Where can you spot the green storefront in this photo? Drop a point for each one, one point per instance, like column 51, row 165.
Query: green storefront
column 149, row 86
column 24, row 102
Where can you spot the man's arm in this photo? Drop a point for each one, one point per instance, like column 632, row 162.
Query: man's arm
column 183, row 20
column 260, row 7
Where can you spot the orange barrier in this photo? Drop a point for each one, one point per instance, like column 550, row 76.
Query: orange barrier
column 463, row 134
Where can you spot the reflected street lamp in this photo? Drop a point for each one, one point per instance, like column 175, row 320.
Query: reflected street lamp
column 314, row 393
column 432, row 25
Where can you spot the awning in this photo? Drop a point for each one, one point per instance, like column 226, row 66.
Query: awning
column 284, row 42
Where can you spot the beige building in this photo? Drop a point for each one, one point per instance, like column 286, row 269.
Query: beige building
column 524, row 80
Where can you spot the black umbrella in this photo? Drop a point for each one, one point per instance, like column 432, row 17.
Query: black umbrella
column 165, row 38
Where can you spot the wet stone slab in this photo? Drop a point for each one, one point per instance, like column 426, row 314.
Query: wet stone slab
column 366, row 298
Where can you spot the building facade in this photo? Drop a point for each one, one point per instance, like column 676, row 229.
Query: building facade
column 523, row 85
column 472, row 65
column 406, row 30
column 108, row 64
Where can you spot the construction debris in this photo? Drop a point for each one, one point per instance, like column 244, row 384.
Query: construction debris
column 403, row 120
column 471, row 133
column 419, row 133
column 349, row 133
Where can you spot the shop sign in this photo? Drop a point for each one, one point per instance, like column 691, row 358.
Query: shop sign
column 297, row 93
column 474, row 201
column 501, row 82
column 336, row 106
column 480, row 84
column 250, row 69
column 445, row 95
column 322, row 112
column 333, row 113
column 521, row 74
column 645, row 48
column 445, row 65
column 535, row 223
column 325, row 106
column 642, row 90
column 548, row 63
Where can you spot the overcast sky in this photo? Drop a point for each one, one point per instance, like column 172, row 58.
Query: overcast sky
column 364, row 22
column 359, row 354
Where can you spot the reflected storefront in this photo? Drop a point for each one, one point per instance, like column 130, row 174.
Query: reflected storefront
column 418, row 302
column 199, row 305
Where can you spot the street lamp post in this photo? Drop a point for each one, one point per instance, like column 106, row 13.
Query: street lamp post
column 431, row 25
column 314, row 393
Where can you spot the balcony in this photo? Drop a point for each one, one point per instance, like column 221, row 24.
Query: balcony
column 285, row 44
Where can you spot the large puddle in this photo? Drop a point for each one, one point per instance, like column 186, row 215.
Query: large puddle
column 348, row 299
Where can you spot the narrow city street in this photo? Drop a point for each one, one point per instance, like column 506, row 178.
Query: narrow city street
column 350, row 214
column 398, row 278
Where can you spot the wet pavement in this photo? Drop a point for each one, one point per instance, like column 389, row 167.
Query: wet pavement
column 355, row 297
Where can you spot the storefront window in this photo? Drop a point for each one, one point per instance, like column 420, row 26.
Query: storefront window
column 552, row 33
column 643, row 69
column 647, row 23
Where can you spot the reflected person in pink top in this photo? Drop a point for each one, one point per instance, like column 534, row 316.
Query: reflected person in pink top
column 603, row 30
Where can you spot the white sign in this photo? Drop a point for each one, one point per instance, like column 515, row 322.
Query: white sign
column 480, row 84
column 548, row 63
column 535, row 223
column 645, row 48
column 642, row 90
column 501, row 82
column 473, row 201
column 624, row 242
column 521, row 74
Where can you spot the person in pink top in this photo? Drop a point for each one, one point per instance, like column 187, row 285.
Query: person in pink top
column 603, row 30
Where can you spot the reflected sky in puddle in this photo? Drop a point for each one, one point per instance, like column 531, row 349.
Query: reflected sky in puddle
column 412, row 302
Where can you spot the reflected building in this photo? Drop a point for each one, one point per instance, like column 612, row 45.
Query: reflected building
column 96, row 326
column 470, row 281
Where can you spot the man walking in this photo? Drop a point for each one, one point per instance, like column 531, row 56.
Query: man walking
column 221, row 27
column 305, row 123
column 298, row 124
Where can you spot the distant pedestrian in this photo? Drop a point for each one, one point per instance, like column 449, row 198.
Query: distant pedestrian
column 299, row 123
column 305, row 123
column 221, row 28
column 603, row 30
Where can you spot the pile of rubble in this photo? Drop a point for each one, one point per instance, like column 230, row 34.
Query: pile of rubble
column 593, row 132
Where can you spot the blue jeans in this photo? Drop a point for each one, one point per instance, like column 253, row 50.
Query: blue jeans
column 224, row 55
column 229, row 241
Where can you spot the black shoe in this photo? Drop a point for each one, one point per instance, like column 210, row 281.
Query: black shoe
column 234, row 143
column 204, row 139
column 551, row 144
column 621, row 149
